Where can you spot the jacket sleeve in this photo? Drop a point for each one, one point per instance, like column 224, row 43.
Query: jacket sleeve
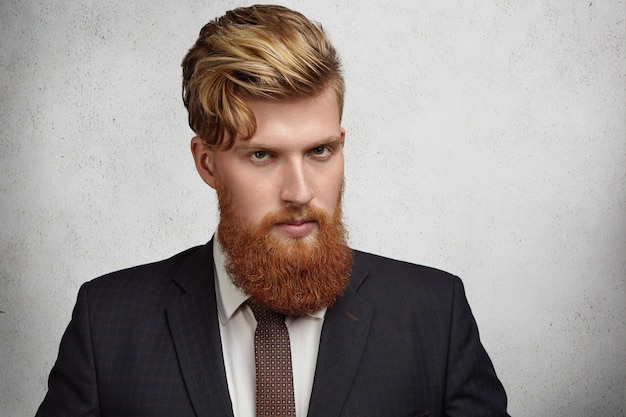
column 72, row 385
column 472, row 387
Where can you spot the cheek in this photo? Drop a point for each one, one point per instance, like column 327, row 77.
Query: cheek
column 333, row 188
column 253, row 199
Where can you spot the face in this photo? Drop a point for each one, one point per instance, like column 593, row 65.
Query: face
column 293, row 161
column 280, row 205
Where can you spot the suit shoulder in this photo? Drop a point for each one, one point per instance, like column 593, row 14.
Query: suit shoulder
column 377, row 264
column 397, row 287
column 379, row 274
column 142, row 281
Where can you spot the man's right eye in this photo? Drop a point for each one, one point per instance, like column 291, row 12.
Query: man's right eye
column 260, row 155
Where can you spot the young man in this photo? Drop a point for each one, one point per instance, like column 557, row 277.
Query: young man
column 364, row 336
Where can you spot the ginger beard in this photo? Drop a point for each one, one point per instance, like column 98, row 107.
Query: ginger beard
column 292, row 276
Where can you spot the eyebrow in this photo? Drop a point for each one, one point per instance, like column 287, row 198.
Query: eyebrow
column 248, row 144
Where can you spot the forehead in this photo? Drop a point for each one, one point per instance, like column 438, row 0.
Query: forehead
column 302, row 120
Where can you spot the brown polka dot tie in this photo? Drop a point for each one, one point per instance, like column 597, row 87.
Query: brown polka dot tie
column 272, row 356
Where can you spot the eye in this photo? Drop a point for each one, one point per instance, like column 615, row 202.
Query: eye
column 320, row 151
column 259, row 155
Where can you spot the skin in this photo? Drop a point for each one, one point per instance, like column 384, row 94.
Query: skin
column 294, row 159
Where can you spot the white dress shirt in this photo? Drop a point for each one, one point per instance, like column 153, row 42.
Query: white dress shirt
column 237, row 326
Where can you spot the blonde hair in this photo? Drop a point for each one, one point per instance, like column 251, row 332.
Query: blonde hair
column 258, row 52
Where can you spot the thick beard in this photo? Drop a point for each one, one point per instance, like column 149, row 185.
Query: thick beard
column 291, row 276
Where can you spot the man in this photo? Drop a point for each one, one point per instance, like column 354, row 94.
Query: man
column 365, row 335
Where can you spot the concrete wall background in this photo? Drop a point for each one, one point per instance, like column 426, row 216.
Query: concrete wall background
column 486, row 138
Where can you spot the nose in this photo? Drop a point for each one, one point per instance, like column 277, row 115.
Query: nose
column 296, row 184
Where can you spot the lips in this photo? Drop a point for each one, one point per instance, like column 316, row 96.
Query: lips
column 297, row 228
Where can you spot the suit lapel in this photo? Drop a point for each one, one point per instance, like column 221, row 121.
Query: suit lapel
column 193, row 322
column 345, row 331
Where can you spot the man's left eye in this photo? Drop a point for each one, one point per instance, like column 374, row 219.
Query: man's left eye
column 320, row 150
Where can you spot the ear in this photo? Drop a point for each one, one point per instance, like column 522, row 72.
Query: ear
column 204, row 159
column 342, row 133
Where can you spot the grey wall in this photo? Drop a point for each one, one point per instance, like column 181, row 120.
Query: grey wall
column 486, row 138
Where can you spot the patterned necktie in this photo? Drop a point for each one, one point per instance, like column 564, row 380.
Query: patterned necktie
column 272, row 356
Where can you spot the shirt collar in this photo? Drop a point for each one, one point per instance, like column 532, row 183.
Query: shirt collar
column 229, row 296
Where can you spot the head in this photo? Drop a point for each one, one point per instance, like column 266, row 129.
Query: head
column 261, row 52
column 264, row 92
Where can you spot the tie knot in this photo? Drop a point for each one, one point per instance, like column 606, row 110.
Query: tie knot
column 262, row 314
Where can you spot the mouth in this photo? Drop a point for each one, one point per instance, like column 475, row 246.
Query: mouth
column 297, row 228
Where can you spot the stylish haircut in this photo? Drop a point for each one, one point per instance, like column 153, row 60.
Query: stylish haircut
column 259, row 52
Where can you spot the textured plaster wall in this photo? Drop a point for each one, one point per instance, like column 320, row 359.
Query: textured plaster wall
column 486, row 138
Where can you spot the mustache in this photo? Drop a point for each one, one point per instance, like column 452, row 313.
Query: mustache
column 296, row 215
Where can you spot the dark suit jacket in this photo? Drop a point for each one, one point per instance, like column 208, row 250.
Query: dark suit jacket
column 145, row 342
